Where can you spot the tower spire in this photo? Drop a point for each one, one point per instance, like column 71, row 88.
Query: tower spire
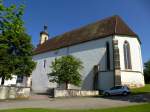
column 45, row 28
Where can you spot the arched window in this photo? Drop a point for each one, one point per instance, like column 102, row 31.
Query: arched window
column 44, row 63
column 45, row 39
column 127, row 55
column 108, row 55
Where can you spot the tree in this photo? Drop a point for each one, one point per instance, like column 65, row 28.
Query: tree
column 147, row 71
column 66, row 70
column 16, row 49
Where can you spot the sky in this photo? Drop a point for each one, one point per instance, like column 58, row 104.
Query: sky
column 64, row 15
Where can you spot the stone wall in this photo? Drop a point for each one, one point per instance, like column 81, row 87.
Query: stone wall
column 72, row 93
column 22, row 92
column 12, row 92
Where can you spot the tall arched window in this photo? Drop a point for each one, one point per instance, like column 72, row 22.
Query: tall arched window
column 127, row 56
column 108, row 55
column 44, row 63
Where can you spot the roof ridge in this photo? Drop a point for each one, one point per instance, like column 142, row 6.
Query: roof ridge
column 84, row 26
column 109, row 26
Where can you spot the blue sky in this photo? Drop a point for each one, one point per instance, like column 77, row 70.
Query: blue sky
column 65, row 15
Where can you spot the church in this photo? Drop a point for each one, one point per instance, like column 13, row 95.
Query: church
column 109, row 49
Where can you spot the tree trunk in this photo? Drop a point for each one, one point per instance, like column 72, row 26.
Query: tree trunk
column 3, row 80
column 66, row 85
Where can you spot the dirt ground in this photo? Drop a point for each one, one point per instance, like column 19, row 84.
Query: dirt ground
column 67, row 103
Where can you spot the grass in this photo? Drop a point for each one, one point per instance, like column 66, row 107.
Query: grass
column 141, row 90
column 135, row 108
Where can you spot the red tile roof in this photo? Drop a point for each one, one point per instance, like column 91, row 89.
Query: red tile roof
column 110, row 26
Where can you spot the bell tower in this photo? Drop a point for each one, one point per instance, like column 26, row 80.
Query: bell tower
column 44, row 35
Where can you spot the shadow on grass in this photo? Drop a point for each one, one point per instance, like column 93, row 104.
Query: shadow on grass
column 140, row 97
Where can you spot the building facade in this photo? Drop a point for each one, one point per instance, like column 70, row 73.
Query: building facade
column 109, row 49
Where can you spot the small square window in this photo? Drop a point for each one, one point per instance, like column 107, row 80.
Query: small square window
column 19, row 79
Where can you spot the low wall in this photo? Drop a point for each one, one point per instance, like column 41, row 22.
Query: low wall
column 11, row 92
column 71, row 93
column 22, row 92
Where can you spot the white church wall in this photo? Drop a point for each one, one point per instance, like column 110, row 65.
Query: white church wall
column 106, row 80
column 132, row 79
column 136, row 73
column 135, row 50
column 40, row 81
column 90, row 53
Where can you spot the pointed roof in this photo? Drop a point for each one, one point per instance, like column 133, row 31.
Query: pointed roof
column 110, row 26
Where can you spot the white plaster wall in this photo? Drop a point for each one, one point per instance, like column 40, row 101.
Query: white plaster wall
column 106, row 80
column 10, row 82
column 135, row 49
column 132, row 79
column 40, row 81
column 90, row 53
column 136, row 73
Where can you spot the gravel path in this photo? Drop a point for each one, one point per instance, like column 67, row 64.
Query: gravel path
column 65, row 103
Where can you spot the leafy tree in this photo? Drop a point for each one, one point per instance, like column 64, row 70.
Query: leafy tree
column 15, row 44
column 66, row 70
column 147, row 71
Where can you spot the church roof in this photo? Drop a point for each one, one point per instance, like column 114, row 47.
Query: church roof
column 110, row 26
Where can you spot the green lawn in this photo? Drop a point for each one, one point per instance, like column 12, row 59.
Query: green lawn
column 141, row 90
column 135, row 108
